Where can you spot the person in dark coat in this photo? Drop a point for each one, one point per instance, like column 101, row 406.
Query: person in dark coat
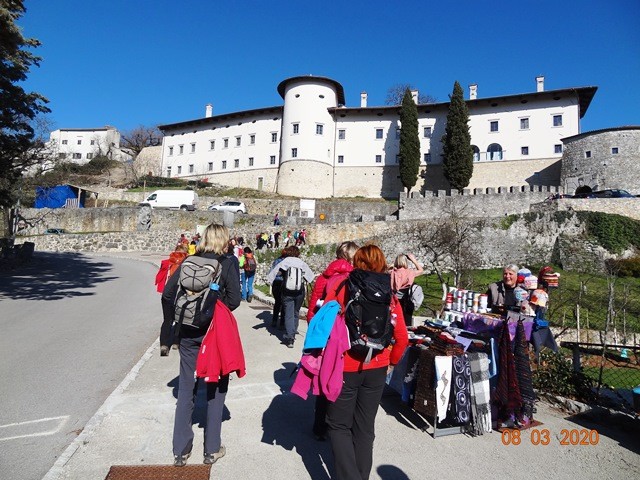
column 213, row 245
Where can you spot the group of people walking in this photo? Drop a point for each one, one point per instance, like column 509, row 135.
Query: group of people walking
column 349, row 419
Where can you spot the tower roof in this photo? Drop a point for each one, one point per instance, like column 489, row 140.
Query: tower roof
column 313, row 78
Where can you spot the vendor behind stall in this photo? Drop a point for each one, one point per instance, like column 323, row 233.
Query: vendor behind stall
column 501, row 294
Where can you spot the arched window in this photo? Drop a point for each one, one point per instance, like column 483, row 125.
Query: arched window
column 494, row 151
column 476, row 153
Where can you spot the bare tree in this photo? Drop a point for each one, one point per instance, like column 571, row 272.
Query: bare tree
column 450, row 243
column 133, row 141
column 395, row 94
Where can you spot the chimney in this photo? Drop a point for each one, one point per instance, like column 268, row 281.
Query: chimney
column 540, row 83
column 363, row 100
column 208, row 112
column 473, row 91
column 414, row 96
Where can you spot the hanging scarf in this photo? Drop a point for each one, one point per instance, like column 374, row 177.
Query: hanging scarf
column 523, row 374
column 443, row 387
column 507, row 397
column 461, row 388
column 480, row 393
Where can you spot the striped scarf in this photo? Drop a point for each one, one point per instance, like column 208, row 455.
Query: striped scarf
column 480, row 393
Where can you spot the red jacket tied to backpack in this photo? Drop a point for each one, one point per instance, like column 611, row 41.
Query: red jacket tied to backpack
column 337, row 267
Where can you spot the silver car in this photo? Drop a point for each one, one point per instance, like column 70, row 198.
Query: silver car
column 229, row 206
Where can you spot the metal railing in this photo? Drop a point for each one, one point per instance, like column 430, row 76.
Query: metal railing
column 489, row 156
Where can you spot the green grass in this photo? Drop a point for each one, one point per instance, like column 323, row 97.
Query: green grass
column 616, row 377
column 266, row 289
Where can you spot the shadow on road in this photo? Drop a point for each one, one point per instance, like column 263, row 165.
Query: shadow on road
column 287, row 424
column 622, row 428
column 54, row 276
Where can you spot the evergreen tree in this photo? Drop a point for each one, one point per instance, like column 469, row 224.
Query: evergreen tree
column 456, row 142
column 18, row 109
column 409, row 142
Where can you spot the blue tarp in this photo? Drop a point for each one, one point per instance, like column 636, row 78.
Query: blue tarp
column 56, row 197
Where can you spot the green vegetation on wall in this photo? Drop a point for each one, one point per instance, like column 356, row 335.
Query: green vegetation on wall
column 613, row 232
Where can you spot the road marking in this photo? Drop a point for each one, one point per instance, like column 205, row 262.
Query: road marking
column 35, row 428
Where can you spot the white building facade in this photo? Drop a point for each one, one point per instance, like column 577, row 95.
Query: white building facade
column 314, row 146
column 81, row 145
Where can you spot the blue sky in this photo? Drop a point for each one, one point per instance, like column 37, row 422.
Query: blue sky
column 147, row 62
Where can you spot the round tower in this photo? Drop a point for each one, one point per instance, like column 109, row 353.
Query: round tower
column 308, row 136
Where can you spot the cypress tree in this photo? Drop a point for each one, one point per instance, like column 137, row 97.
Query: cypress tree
column 456, row 142
column 409, row 142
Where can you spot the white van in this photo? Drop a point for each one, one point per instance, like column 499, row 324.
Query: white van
column 173, row 199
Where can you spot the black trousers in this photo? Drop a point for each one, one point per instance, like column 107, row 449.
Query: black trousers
column 276, row 291
column 351, row 422
column 187, row 389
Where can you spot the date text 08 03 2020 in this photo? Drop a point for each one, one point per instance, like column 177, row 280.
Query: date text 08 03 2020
column 542, row 436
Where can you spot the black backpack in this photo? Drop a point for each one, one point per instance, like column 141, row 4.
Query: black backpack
column 196, row 299
column 368, row 313
column 406, row 302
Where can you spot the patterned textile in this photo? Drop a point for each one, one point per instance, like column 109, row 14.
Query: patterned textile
column 480, row 393
column 443, row 388
column 507, row 398
column 523, row 374
column 461, row 388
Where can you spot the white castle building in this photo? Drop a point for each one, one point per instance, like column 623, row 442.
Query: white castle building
column 315, row 146
column 81, row 145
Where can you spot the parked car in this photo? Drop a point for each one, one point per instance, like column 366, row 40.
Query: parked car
column 612, row 193
column 55, row 231
column 608, row 193
column 229, row 206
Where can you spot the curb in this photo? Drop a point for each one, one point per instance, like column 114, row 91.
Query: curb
column 94, row 422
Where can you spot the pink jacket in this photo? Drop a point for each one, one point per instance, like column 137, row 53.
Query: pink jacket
column 323, row 373
column 221, row 350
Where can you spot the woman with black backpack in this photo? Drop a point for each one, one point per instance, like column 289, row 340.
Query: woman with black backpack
column 378, row 337
column 213, row 247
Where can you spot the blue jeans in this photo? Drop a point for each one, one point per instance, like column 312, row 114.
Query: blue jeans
column 246, row 279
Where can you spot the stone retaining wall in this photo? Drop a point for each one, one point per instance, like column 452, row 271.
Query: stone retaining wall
column 479, row 202
column 495, row 244
column 333, row 209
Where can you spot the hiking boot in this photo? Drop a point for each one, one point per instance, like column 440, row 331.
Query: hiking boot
column 164, row 351
column 180, row 460
column 211, row 458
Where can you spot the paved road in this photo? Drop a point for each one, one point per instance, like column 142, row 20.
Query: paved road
column 72, row 327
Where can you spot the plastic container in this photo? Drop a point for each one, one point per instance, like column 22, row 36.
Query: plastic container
column 636, row 399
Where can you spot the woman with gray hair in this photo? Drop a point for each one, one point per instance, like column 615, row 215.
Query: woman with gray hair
column 501, row 294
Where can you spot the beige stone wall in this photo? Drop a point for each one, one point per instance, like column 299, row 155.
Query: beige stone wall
column 247, row 178
column 499, row 174
column 305, row 178
column 367, row 182
column 627, row 207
